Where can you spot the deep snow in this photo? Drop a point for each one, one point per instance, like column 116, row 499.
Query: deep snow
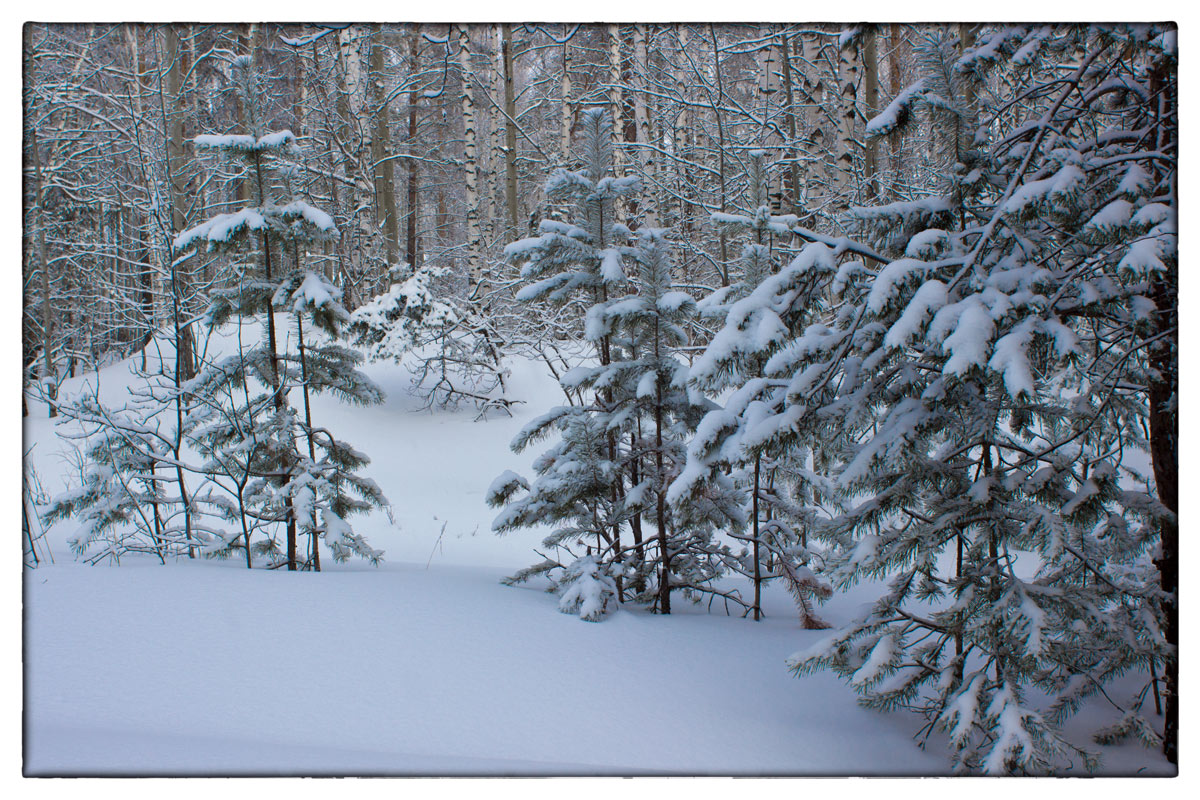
column 426, row 664
column 200, row 667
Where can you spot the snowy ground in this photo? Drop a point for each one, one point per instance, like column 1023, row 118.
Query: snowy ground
column 426, row 664
column 199, row 668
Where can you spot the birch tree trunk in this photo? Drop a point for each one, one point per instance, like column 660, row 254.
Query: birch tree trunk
column 356, row 145
column 351, row 60
column 616, row 97
column 768, row 58
column 722, row 240
column 470, row 165
column 490, row 152
column 361, row 146
column 683, row 136
column 768, row 65
column 565, row 93
column 871, row 107
column 818, row 187
column 848, row 67
column 641, row 117
column 300, row 95
column 199, row 189
column 789, row 116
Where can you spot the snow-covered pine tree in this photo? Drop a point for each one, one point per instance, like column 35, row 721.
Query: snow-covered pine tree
column 246, row 426
column 623, row 444
column 657, row 396
column 324, row 486
column 778, row 500
column 580, row 487
column 765, row 234
column 985, row 395
column 770, row 324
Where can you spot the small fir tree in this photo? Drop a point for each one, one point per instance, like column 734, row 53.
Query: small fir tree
column 581, row 485
column 779, row 513
column 249, row 434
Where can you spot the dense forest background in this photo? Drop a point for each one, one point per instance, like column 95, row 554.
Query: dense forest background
column 429, row 144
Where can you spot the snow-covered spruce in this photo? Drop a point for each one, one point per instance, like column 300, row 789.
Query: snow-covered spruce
column 580, row 489
column 604, row 481
column 276, row 465
column 776, row 496
column 980, row 394
column 587, row 589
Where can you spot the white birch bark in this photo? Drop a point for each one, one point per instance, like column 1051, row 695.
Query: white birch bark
column 641, row 117
column 848, row 68
column 682, row 132
column 565, row 94
column 817, row 180
column 768, row 64
column 470, row 164
column 491, row 156
column 616, row 98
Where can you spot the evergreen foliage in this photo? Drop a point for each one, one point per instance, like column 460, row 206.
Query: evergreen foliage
column 979, row 392
column 580, row 486
column 963, row 392
column 779, row 504
column 623, row 444
column 450, row 349
column 246, row 427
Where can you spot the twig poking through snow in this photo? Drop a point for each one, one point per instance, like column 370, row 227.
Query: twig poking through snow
column 436, row 545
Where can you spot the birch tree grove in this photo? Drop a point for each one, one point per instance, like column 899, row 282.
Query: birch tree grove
column 396, row 122
column 886, row 306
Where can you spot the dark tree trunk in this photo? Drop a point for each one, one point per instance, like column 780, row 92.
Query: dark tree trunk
column 314, row 554
column 510, row 128
column 411, row 243
column 635, row 524
column 757, row 571
column 664, row 585
column 277, row 382
column 1163, row 401
column 1164, row 454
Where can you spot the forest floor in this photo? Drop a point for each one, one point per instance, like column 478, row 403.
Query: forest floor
column 426, row 664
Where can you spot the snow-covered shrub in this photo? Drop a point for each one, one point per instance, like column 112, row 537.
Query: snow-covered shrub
column 454, row 356
column 586, row 588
